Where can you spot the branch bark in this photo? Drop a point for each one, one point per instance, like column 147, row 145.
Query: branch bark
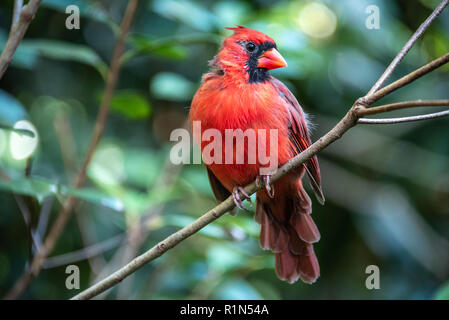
column 18, row 6
column 403, row 105
column 22, row 17
column 404, row 119
column 347, row 122
column 71, row 202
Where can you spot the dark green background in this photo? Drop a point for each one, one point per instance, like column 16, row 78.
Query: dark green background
column 387, row 187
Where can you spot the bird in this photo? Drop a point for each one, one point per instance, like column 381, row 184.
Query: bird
column 238, row 92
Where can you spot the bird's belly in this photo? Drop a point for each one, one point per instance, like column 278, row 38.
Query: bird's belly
column 240, row 161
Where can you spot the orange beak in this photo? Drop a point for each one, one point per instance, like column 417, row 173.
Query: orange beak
column 271, row 59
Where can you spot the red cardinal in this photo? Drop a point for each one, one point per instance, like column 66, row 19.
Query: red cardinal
column 239, row 93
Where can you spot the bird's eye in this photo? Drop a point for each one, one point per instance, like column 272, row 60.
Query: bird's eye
column 250, row 47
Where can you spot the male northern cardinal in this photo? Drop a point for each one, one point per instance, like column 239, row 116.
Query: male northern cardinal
column 239, row 93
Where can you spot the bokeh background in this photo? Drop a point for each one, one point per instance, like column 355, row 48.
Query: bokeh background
column 387, row 187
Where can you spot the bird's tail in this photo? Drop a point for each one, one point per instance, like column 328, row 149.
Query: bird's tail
column 287, row 228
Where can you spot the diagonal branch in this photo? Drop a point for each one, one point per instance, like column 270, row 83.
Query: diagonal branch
column 402, row 105
column 347, row 122
column 406, row 48
column 22, row 17
column 84, row 253
column 69, row 205
column 418, row 73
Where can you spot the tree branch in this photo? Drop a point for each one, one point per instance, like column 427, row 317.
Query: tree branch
column 404, row 119
column 84, row 253
column 402, row 105
column 406, row 48
column 71, row 202
column 22, row 17
column 18, row 6
column 348, row 121
column 429, row 67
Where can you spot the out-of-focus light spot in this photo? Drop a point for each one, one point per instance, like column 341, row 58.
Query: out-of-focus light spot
column 108, row 165
column 238, row 233
column 113, row 203
column 317, row 20
column 21, row 145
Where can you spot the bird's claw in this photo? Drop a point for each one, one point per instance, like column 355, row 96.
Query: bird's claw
column 264, row 181
column 238, row 200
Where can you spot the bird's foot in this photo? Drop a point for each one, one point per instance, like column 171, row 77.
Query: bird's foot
column 238, row 199
column 264, row 181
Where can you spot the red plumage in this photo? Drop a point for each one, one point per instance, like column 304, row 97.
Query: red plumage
column 239, row 93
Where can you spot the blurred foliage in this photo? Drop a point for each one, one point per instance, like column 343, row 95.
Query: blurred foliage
column 387, row 187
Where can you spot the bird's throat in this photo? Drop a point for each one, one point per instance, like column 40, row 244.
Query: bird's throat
column 257, row 75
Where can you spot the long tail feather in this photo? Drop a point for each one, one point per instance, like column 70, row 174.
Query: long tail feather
column 287, row 228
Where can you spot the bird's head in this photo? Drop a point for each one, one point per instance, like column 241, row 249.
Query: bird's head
column 249, row 53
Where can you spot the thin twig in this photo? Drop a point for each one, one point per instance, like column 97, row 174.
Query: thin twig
column 429, row 67
column 44, row 216
column 18, row 6
column 25, row 210
column 17, row 33
column 64, row 134
column 406, row 48
column 70, row 203
column 85, row 253
column 347, row 122
column 402, row 105
column 404, row 119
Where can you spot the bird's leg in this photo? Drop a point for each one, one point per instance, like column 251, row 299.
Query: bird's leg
column 264, row 181
column 238, row 200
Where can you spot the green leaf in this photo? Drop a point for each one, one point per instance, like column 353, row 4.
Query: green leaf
column 97, row 197
column 40, row 188
column 36, row 187
column 60, row 50
column 174, row 52
column 172, row 47
column 165, row 49
column 171, row 86
column 131, row 104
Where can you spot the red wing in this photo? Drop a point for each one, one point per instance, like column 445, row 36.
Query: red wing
column 299, row 136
